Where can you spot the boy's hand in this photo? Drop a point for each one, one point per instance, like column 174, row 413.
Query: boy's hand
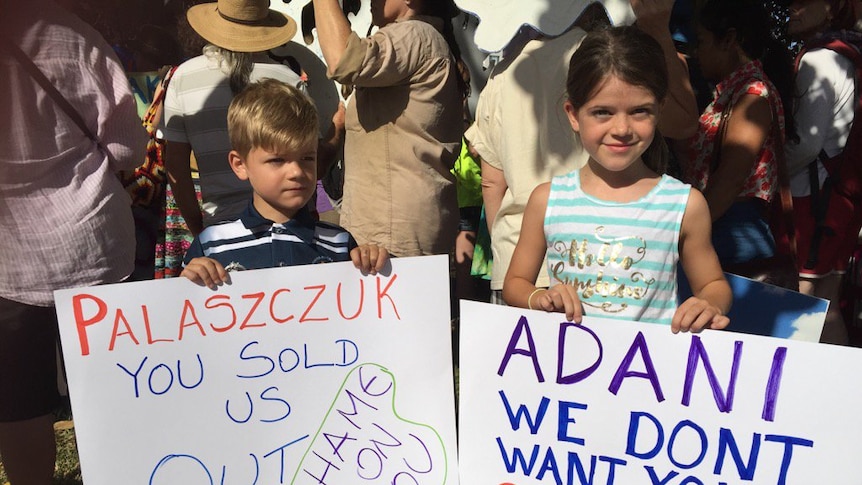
column 206, row 271
column 369, row 258
column 560, row 298
column 696, row 314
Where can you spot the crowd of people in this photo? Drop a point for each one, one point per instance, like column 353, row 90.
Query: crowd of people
column 191, row 149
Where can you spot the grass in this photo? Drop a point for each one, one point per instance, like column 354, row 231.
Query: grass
column 67, row 470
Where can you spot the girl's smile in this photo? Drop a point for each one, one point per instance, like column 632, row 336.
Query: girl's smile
column 617, row 124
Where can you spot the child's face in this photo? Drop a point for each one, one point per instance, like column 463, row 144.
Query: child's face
column 617, row 124
column 283, row 181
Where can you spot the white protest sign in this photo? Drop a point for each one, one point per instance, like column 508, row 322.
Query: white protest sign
column 607, row 402
column 302, row 375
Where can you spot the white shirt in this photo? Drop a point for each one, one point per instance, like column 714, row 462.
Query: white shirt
column 825, row 103
column 522, row 129
column 195, row 113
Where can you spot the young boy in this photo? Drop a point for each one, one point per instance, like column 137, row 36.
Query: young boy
column 273, row 131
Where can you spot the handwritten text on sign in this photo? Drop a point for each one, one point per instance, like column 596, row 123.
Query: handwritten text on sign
column 604, row 402
column 284, row 376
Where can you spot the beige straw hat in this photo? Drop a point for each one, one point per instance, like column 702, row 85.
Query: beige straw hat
column 241, row 25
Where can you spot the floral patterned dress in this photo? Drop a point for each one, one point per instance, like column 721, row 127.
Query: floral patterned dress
column 762, row 182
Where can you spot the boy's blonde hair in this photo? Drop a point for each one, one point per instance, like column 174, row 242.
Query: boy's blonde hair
column 272, row 115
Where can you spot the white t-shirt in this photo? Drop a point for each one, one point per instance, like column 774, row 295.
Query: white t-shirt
column 825, row 103
column 195, row 112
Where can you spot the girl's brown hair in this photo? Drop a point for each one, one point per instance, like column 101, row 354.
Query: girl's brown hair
column 633, row 57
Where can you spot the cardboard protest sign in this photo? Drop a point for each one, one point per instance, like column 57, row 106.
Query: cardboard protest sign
column 762, row 309
column 607, row 402
column 303, row 375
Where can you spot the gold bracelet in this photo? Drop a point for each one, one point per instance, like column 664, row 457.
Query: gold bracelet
column 530, row 298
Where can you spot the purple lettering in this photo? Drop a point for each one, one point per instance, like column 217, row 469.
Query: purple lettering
column 561, row 347
column 697, row 353
column 774, row 384
column 638, row 346
column 511, row 349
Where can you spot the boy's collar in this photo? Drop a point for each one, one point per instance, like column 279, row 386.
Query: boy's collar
column 251, row 219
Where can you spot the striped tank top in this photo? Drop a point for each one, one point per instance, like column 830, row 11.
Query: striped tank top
column 621, row 257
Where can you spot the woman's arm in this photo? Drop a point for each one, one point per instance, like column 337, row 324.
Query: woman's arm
column 333, row 30
column 680, row 113
column 748, row 126
column 712, row 296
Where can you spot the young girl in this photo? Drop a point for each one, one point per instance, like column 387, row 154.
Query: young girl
column 615, row 229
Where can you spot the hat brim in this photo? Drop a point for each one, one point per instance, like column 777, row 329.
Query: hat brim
column 275, row 30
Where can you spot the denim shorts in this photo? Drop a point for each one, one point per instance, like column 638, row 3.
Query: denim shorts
column 742, row 233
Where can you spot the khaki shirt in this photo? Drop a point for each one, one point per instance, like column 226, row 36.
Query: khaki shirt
column 404, row 130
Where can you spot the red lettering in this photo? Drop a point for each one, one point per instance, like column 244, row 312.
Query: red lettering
column 272, row 307
column 150, row 339
column 381, row 294
column 210, row 306
column 189, row 309
column 304, row 317
column 82, row 323
column 258, row 297
column 361, row 301
column 121, row 318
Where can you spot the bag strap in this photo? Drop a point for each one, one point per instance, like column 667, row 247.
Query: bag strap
column 719, row 137
column 40, row 78
column 784, row 194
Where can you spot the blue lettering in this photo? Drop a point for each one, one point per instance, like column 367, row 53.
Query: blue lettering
column 634, row 425
column 135, row 375
column 703, row 444
column 726, row 441
column 515, row 419
column 242, row 356
column 518, row 459
column 564, row 418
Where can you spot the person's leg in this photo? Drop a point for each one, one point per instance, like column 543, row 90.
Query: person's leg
column 829, row 288
column 28, row 450
column 28, row 392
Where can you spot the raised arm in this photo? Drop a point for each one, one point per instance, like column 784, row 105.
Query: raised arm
column 333, row 30
column 680, row 113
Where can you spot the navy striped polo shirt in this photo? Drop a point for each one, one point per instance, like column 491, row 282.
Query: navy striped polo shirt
column 253, row 242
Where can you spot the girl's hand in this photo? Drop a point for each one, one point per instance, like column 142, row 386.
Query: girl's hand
column 559, row 298
column 696, row 314
column 206, row 271
column 369, row 258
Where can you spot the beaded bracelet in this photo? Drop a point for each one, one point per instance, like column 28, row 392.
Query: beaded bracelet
column 530, row 298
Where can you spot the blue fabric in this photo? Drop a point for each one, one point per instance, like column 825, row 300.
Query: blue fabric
column 742, row 234
column 253, row 242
